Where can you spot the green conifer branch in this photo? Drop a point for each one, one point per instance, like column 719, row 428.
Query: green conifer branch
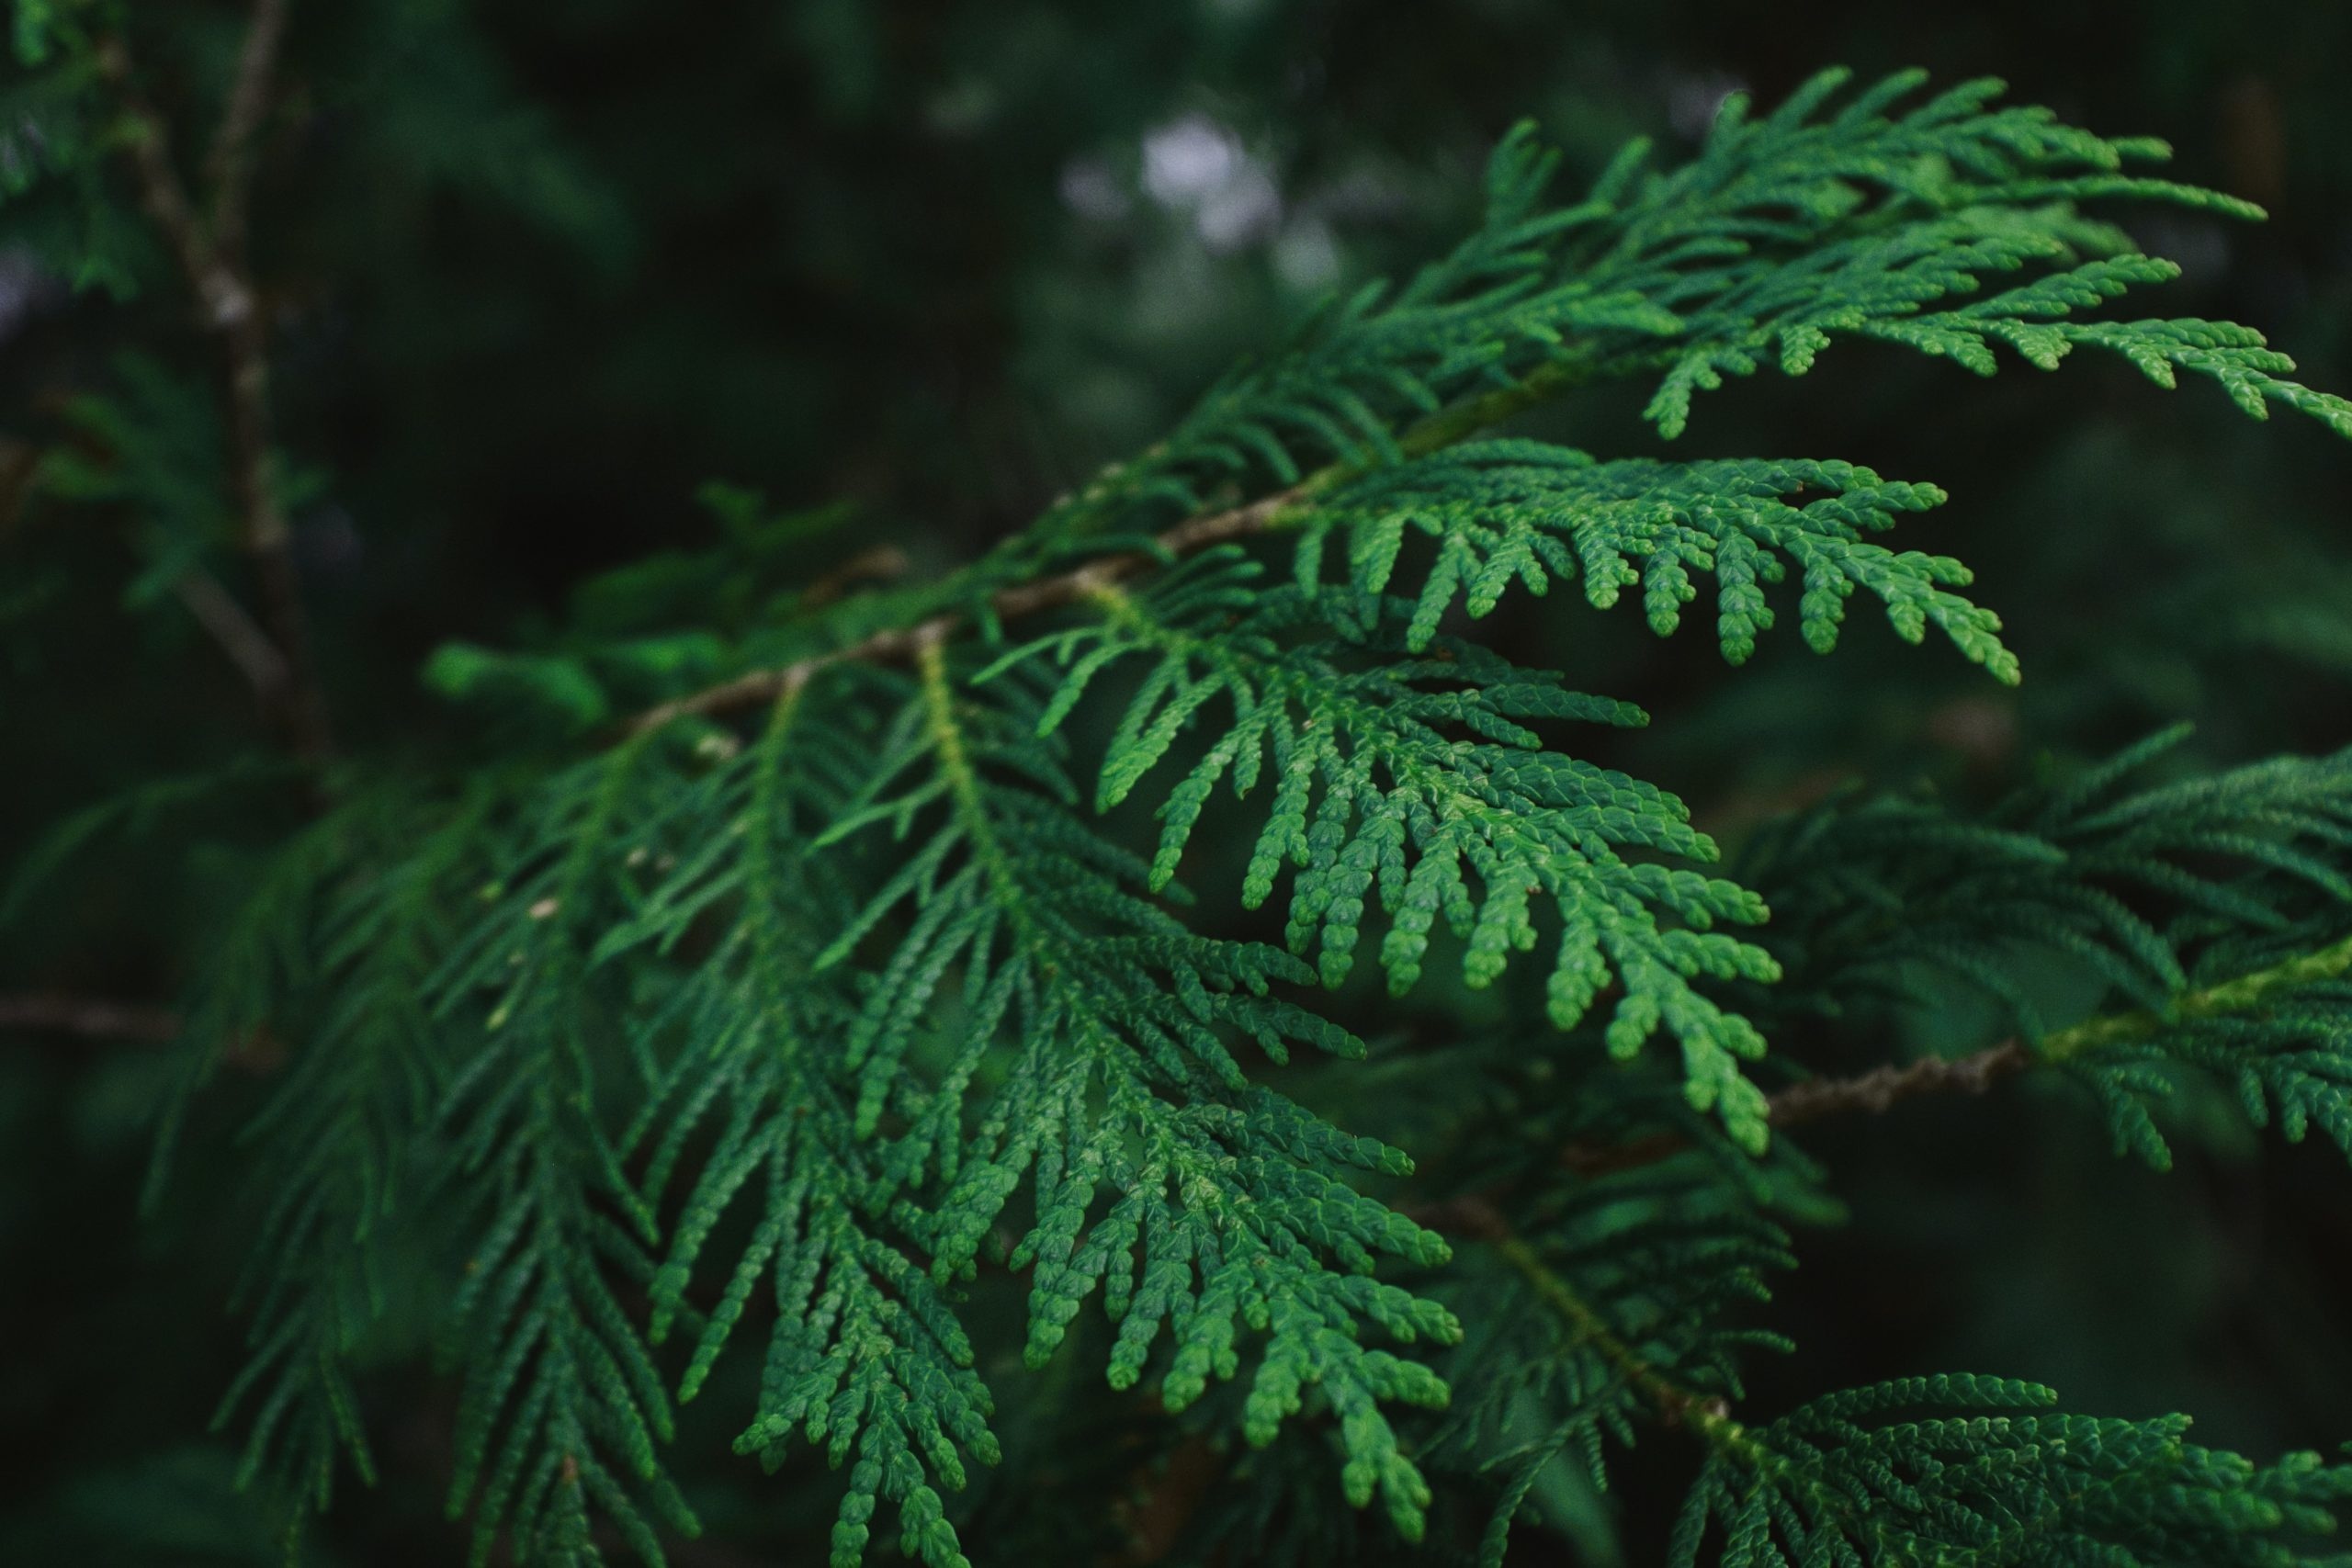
column 873, row 1004
column 1986, row 1468
column 1759, row 252
column 2248, row 993
column 1881, row 1088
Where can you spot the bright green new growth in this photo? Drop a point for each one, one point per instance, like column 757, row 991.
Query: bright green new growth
column 1506, row 512
column 1371, row 793
column 815, row 1028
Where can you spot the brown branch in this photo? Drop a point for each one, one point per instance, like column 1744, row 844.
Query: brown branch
column 1438, row 430
column 211, row 262
column 763, row 686
column 1876, row 1091
column 1870, row 1093
column 161, row 192
column 89, row 1018
column 882, row 563
column 1884, row 1086
column 230, row 164
column 247, row 646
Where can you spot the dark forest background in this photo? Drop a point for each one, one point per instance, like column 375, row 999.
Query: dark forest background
column 542, row 273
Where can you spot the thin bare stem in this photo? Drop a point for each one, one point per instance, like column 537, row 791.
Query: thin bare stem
column 1884, row 1086
column 763, row 686
column 230, row 164
column 247, row 646
column 1871, row 1093
column 1196, row 533
column 89, row 1018
column 211, row 261
column 883, row 563
column 161, row 192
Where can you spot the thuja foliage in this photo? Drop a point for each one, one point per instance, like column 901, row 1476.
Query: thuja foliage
column 765, row 991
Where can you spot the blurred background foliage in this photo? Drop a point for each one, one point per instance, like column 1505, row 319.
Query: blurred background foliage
column 744, row 297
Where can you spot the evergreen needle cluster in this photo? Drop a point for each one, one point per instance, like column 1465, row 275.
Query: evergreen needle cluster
column 766, row 1030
